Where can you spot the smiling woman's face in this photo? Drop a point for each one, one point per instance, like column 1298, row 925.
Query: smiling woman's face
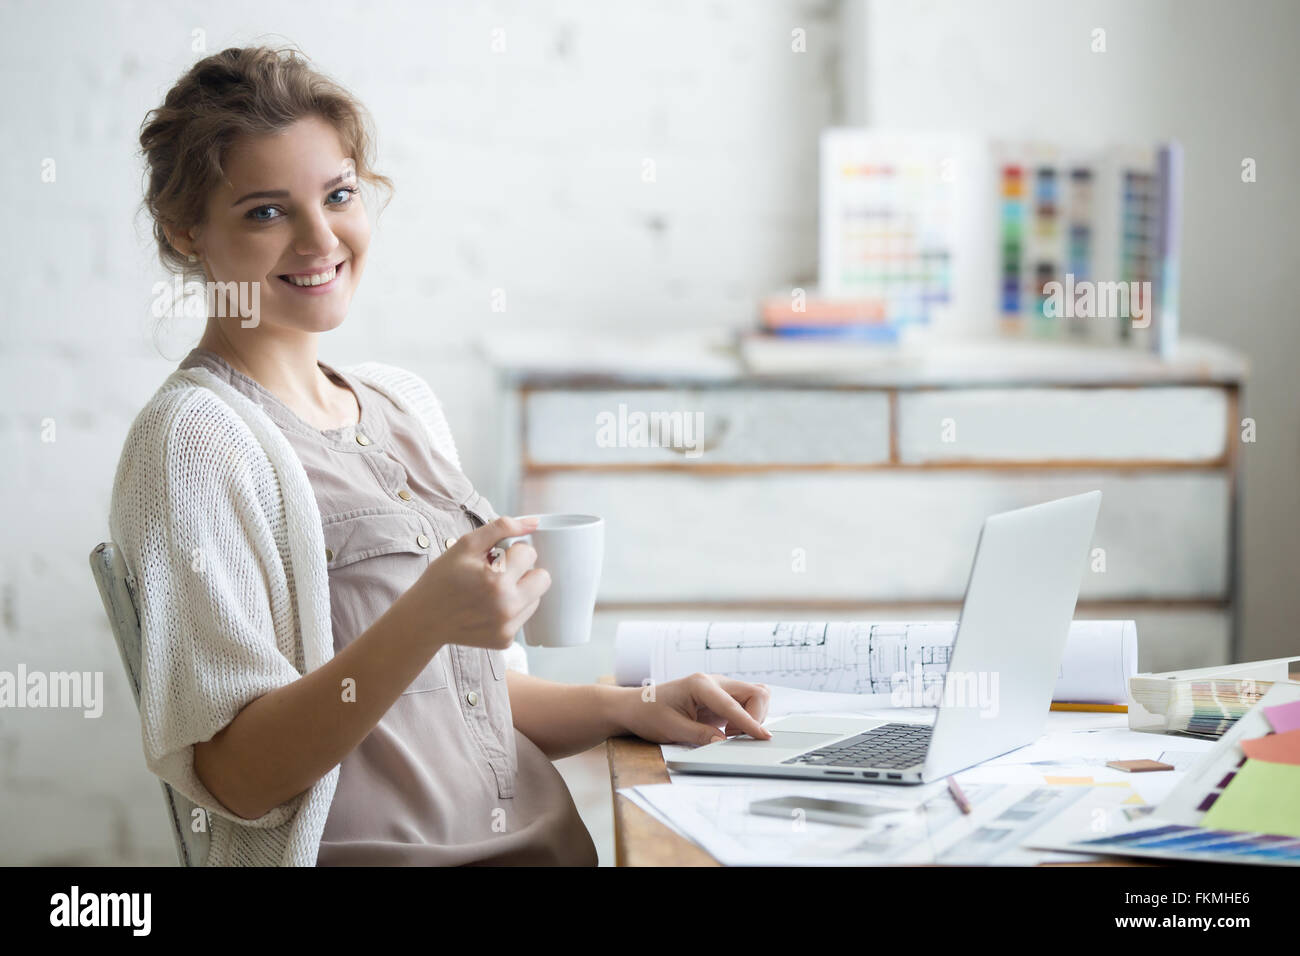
column 289, row 214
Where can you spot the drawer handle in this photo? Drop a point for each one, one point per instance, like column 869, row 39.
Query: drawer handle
column 708, row 444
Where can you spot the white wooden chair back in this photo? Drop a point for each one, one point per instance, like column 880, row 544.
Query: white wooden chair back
column 123, row 615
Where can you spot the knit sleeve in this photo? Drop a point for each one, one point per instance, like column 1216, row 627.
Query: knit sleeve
column 193, row 515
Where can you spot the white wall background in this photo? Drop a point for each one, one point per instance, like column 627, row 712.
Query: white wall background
column 520, row 170
column 1224, row 78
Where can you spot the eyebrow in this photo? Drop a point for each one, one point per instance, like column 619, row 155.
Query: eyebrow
column 284, row 193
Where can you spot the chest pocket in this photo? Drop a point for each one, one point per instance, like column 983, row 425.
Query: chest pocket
column 388, row 540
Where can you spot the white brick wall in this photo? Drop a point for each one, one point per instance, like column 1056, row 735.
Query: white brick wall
column 519, row 170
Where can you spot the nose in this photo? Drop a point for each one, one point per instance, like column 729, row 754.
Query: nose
column 314, row 237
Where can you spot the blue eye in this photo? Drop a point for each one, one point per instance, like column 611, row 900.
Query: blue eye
column 272, row 213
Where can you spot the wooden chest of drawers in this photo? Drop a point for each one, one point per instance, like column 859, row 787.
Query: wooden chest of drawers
column 860, row 496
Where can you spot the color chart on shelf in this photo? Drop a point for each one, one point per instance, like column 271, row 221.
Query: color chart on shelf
column 889, row 222
column 1048, row 230
column 1025, row 238
column 1084, row 240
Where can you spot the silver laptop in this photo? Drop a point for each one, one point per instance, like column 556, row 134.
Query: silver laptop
column 1010, row 639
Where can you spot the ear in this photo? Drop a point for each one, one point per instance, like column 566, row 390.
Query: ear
column 181, row 242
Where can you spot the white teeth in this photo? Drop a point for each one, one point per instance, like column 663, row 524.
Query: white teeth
column 319, row 279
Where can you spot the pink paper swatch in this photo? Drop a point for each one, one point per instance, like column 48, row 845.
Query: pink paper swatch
column 1284, row 717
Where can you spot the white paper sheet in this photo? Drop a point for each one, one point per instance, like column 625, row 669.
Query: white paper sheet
column 718, row 820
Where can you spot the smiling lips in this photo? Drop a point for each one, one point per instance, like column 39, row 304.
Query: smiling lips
column 314, row 281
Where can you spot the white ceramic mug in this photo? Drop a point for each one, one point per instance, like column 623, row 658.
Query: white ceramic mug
column 572, row 549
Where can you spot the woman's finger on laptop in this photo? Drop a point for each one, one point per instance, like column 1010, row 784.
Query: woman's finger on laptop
column 709, row 693
column 683, row 730
column 753, row 697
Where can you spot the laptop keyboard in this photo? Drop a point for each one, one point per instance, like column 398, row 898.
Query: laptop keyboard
column 890, row 747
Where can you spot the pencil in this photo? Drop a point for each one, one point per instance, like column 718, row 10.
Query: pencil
column 957, row 795
column 1097, row 708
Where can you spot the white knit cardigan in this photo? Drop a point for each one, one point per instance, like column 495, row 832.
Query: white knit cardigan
column 218, row 525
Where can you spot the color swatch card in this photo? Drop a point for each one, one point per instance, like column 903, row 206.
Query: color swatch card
column 1275, row 748
column 1047, row 211
column 1209, row 779
column 1202, row 701
column 1201, row 708
column 1197, row 844
column 1263, row 797
column 1231, row 807
column 1083, row 235
column 892, row 213
column 1283, row 717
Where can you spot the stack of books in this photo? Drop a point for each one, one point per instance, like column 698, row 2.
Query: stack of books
column 797, row 314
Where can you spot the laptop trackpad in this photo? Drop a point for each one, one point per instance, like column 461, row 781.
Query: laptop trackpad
column 746, row 751
column 782, row 739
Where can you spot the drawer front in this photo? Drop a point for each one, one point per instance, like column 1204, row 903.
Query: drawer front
column 706, row 426
column 879, row 535
column 1062, row 424
column 1168, row 638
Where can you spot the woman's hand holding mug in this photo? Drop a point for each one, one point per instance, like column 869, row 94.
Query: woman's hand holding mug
column 478, row 602
column 572, row 548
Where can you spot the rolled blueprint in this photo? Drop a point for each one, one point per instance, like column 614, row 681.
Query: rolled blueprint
column 859, row 658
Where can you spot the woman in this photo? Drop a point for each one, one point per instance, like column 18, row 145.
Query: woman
column 325, row 626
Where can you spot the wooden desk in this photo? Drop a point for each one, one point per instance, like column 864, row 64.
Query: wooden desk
column 641, row 840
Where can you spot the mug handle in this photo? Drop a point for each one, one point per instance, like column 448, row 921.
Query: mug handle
column 504, row 545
